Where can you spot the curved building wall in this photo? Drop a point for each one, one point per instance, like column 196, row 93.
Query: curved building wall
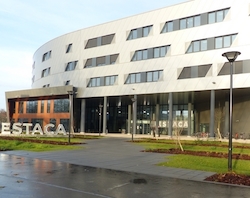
column 171, row 65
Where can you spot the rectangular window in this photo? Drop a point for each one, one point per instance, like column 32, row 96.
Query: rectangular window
column 190, row 22
column 219, row 16
column 156, row 52
column 134, row 33
column 227, row 41
column 218, row 42
column 197, row 21
column 48, row 106
column 211, row 17
column 20, row 107
column 61, row 105
column 146, row 31
column 45, row 72
column 46, row 56
column 183, row 24
column 31, row 106
column 138, row 77
column 204, row 45
column 42, row 106
column 71, row 66
column 149, row 76
column 107, row 39
column 196, row 46
column 145, row 54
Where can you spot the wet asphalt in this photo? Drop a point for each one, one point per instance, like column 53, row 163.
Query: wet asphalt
column 110, row 167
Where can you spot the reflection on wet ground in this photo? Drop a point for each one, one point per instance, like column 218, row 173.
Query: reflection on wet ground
column 29, row 177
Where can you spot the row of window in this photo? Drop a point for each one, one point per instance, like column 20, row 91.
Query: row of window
column 178, row 24
column 195, row 21
column 211, row 43
column 154, row 76
column 60, row 106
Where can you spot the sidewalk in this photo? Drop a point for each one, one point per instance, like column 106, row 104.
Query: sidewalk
column 116, row 153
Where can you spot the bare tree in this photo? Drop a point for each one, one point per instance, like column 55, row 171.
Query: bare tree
column 178, row 129
column 218, row 120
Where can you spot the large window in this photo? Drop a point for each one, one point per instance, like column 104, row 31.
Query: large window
column 61, row 105
column 217, row 16
column 139, row 32
column 197, row 46
column 31, row 107
column 101, row 61
column 190, row 22
column 194, row 71
column 224, row 41
column 150, row 53
column 45, row 72
column 99, row 41
column 102, row 81
column 150, row 76
column 71, row 66
column 46, row 56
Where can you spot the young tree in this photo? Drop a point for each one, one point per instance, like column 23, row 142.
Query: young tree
column 178, row 129
column 218, row 120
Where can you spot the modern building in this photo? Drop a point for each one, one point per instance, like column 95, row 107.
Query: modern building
column 161, row 70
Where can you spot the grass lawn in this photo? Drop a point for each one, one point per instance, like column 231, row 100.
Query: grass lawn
column 38, row 147
column 219, row 165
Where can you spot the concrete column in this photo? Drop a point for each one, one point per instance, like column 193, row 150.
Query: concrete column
column 157, row 114
column 170, row 116
column 212, row 107
column 189, row 119
column 129, row 119
column 226, row 127
column 104, row 125
column 83, row 109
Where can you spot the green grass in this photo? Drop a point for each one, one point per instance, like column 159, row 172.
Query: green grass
column 219, row 165
column 37, row 147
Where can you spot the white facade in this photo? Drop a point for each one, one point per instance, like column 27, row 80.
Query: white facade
column 236, row 21
column 127, row 58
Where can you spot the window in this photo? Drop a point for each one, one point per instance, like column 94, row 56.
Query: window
column 45, row 72
column 224, row 41
column 194, row 71
column 102, row 81
column 168, row 27
column 217, row 16
column 69, row 47
column 197, row 46
column 42, row 106
column 151, row 76
column 61, row 106
column 103, row 40
column 46, row 56
column 31, row 107
column 47, row 85
column 71, row 66
column 20, row 107
column 139, row 32
column 144, row 54
column 190, row 22
column 101, row 61
column 48, row 106
column 110, row 80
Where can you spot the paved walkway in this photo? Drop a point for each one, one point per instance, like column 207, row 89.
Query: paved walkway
column 116, row 153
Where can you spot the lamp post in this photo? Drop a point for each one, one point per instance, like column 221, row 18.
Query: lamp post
column 134, row 101
column 100, row 118
column 231, row 57
column 71, row 93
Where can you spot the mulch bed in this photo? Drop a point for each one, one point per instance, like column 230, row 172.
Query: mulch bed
column 229, row 178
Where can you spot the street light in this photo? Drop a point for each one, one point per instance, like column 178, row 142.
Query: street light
column 71, row 93
column 134, row 101
column 100, row 118
column 231, row 57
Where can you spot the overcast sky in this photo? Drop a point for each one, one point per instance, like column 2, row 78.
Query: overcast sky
column 25, row 25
